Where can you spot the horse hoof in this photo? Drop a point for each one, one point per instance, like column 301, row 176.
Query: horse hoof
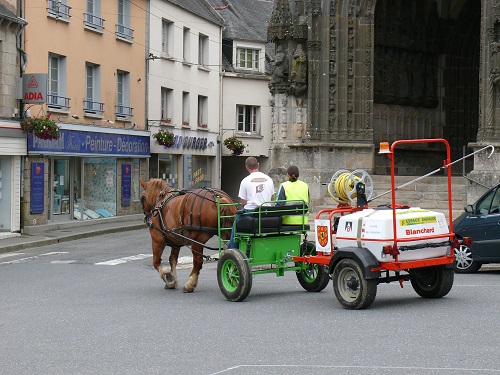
column 170, row 282
column 187, row 290
column 170, row 286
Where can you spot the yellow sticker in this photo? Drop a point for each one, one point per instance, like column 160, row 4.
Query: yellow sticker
column 417, row 220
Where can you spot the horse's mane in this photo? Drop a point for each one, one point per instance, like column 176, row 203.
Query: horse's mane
column 153, row 189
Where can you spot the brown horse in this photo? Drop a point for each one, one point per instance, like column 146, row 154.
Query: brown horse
column 183, row 218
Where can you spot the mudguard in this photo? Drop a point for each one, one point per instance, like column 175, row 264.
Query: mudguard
column 361, row 255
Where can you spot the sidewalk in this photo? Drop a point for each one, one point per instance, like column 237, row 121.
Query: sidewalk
column 42, row 235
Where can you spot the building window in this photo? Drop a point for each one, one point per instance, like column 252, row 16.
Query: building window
column 93, row 18
column 247, row 58
column 185, row 108
column 166, row 105
column 186, row 33
column 58, row 9
column 248, row 118
column 123, row 30
column 203, row 50
column 167, row 37
column 202, row 111
column 92, row 104
column 123, row 109
column 56, row 97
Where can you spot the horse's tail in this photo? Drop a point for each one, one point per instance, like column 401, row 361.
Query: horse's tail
column 227, row 222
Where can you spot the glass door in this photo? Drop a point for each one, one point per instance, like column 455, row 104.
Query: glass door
column 61, row 190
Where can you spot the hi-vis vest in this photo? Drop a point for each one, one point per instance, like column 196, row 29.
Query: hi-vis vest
column 299, row 191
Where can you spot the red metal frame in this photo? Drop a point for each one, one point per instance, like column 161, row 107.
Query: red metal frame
column 324, row 258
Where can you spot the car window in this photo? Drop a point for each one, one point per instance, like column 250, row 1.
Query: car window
column 483, row 206
column 495, row 204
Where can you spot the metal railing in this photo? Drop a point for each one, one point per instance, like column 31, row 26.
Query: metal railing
column 58, row 9
column 93, row 21
column 123, row 111
column 92, row 106
column 124, row 32
column 59, row 102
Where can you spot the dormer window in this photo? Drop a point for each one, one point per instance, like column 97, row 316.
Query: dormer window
column 247, row 58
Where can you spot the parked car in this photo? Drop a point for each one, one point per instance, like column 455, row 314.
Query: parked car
column 481, row 222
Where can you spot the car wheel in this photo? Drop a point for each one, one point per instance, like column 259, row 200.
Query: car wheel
column 464, row 262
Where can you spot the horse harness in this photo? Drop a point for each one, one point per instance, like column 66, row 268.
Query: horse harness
column 166, row 196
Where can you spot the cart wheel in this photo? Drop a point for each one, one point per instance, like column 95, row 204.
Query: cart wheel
column 353, row 291
column 314, row 278
column 432, row 282
column 234, row 275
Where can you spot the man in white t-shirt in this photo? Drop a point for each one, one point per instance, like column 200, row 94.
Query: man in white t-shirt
column 255, row 189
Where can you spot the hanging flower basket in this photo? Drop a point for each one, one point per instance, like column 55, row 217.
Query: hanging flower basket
column 164, row 138
column 41, row 127
column 235, row 145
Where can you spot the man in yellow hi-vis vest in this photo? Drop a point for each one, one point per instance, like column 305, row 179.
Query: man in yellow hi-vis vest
column 293, row 189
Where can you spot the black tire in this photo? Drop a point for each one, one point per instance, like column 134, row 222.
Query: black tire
column 432, row 282
column 314, row 278
column 234, row 275
column 464, row 262
column 352, row 290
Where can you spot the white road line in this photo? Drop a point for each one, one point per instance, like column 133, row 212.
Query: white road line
column 10, row 255
column 115, row 262
column 16, row 261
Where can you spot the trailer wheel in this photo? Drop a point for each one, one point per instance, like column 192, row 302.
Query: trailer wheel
column 351, row 288
column 314, row 278
column 432, row 282
column 234, row 275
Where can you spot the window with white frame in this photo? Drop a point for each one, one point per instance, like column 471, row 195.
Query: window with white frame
column 166, row 105
column 248, row 118
column 92, row 103
column 202, row 111
column 247, row 58
column 185, row 108
column 56, row 96
column 167, row 37
column 123, row 108
column 186, row 39
column 203, row 50
column 93, row 15
column 123, row 29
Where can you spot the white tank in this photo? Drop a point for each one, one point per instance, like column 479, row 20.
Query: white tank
column 373, row 229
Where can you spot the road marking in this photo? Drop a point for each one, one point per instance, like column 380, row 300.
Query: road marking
column 16, row 261
column 10, row 255
column 115, row 262
column 63, row 261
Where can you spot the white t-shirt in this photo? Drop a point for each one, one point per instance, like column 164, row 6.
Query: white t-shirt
column 256, row 189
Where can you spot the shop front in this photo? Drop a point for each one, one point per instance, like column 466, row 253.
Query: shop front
column 90, row 172
column 13, row 149
column 189, row 163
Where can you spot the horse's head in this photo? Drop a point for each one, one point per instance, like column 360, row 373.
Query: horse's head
column 152, row 190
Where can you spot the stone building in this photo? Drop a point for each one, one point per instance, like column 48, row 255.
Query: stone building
column 349, row 74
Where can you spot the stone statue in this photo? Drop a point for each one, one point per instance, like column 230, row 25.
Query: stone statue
column 279, row 67
column 299, row 72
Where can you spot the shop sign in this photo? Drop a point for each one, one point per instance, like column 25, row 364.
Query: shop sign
column 76, row 142
column 126, row 184
column 37, row 192
column 35, row 88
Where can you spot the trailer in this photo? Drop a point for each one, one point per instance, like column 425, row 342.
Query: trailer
column 357, row 246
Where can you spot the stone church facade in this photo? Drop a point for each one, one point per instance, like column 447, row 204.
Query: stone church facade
column 349, row 74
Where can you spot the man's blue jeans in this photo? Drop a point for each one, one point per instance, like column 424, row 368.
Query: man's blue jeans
column 232, row 244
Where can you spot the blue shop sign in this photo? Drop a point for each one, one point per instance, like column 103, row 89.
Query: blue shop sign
column 77, row 142
column 37, row 192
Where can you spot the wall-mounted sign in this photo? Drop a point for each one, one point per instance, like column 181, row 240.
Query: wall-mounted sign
column 126, row 183
column 37, row 193
column 35, row 88
column 76, row 142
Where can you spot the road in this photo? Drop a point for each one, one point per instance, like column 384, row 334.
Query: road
column 96, row 306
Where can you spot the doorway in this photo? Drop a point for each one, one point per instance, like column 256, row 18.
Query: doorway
column 62, row 189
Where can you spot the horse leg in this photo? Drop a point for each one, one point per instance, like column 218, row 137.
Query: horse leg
column 192, row 280
column 170, row 277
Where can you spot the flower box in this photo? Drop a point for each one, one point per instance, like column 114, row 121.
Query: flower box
column 41, row 127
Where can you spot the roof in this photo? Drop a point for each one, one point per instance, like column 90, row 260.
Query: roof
column 245, row 19
column 5, row 13
column 201, row 8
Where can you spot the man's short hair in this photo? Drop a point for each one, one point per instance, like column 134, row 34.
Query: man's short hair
column 251, row 163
